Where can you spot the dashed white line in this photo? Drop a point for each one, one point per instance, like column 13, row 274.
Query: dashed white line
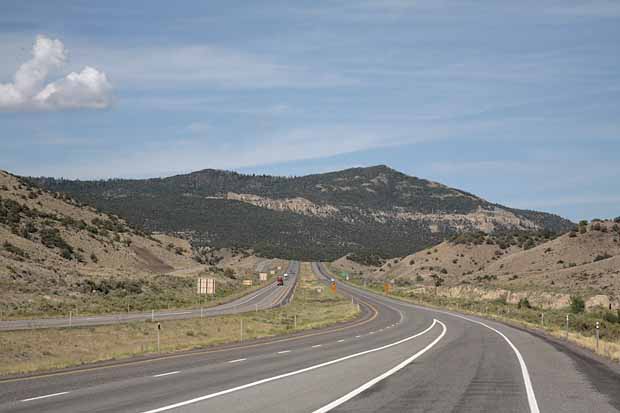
column 340, row 341
column 388, row 373
column 317, row 345
column 372, row 332
column 237, row 361
column 167, row 374
column 45, row 397
column 357, row 336
column 292, row 373
column 284, row 352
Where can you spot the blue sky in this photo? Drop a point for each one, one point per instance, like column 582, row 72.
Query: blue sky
column 518, row 102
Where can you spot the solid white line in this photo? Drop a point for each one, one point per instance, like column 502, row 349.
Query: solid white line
column 284, row 352
column 340, row 341
column 292, row 373
column 167, row 314
column 318, row 345
column 167, row 374
column 237, row 361
column 45, row 397
column 377, row 379
column 531, row 397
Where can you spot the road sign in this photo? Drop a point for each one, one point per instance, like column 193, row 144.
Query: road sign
column 247, row 283
column 262, row 276
column 202, row 285
column 210, row 286
column 333, row 286
column 272, row 272
column 387, row 287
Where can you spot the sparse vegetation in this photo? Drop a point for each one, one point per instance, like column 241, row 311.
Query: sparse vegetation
column 577, row 305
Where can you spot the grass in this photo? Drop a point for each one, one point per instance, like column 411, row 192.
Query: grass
column 313, row 306
column 582, row 328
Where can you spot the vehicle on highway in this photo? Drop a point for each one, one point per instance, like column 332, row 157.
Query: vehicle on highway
column 285, row 275
column 280, row 280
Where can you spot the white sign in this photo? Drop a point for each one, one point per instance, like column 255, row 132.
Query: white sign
column 210, row 286
column 202, row 285
column 247, row 282
column 262, row 276
column 272, row 272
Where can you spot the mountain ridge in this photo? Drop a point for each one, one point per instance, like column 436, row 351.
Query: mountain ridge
column 317, row 216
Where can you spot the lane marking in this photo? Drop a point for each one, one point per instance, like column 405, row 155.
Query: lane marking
column 388, row 373
column 340, row 341
column 372, row 332
column 237, row 361
column 529, row 390
column 292, row 373
column 167, row 374
column 531, row 396
column 45, row 397
column 357, row 336
column 318, row 345
column 284, row 352
column 328, row 330
column 167, row 314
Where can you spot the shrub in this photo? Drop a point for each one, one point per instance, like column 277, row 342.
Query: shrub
column 596, row 226
column 419, row 278
column 14, row 250
column 572, row 234
column 617, row 220
column 94, row 258
column 577, row 305
column 601, row 257
column 583, row 223
column 524, row 303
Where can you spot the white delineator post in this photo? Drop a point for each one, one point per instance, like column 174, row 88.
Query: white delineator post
column 567, row 326
column 598, row 326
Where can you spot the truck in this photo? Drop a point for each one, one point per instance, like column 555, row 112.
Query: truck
column 280, row 280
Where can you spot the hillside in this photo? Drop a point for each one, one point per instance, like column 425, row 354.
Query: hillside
column 322, row 216
column 584, row 262
column 58, row 255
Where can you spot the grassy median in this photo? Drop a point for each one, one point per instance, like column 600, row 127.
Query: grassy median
column 313, row 306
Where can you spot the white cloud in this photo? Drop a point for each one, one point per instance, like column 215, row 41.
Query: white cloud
column 89, row 88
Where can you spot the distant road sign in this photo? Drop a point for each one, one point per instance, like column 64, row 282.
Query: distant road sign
column 262, row 276
column 247, row 283
column 210, row 286
column 202, row 285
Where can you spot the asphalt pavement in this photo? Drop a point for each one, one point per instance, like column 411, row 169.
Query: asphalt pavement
column 396, row 357
column 265, row 297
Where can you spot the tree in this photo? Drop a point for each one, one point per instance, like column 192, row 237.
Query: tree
column 577, row 305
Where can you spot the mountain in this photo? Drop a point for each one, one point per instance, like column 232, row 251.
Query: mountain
column 322, row 216
column 583, row 262
column 57, row 254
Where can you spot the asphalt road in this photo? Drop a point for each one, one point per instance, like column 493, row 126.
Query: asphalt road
column 397, row 357
column 266, row 297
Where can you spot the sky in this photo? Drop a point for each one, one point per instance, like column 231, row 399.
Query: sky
column 517, row 102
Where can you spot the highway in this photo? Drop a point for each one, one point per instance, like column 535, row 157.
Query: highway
column 265, row 297
column 396, row 357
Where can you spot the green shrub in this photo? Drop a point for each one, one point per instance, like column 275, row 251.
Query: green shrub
column 524, row 303
column 577, row 304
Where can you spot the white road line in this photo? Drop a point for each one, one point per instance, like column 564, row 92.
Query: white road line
column 377, row 379
column 237, row 361
column 372, row 332
column 45, row 397
column 357, row 336
column 531, row 397
column 340, row 341
column 167, row 374
column 167, row 314
column 318, row 345
column 284, row 352
column 292, row 373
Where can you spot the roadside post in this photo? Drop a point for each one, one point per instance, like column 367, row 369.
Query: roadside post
column 241, row 329
column 152, row 315
column 598, row 326
column 566, row 326
column 158, row 330
column 542, row 319
column 70, row 319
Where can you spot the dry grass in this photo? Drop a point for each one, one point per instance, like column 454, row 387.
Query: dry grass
column 314, row 306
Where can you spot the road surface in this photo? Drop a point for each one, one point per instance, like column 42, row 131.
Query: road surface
column 396, row 357
column 266, row 297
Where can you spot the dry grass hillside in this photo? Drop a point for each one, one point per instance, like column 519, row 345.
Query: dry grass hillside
column 57, row 254
column 584, row 262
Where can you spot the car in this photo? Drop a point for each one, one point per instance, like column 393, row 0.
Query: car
column 280, row 280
